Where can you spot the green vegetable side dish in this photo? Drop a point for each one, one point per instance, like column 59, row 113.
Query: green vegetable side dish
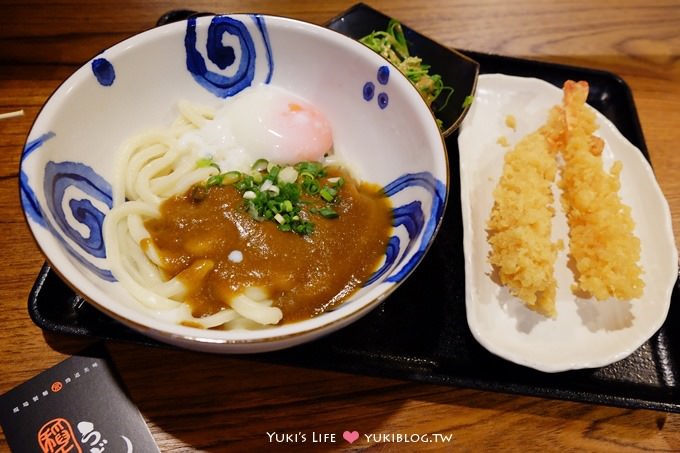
column 289, row 196
column 391, row 44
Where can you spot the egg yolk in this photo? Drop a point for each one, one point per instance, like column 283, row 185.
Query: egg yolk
column 276, row 125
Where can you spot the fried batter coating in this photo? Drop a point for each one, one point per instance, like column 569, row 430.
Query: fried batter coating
column 604, row 249
column 519, row 227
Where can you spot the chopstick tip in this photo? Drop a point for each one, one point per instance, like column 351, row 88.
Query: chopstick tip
column 4, row 116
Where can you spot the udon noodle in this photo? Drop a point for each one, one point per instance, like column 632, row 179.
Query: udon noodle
column 241, row 216
column 151, row 167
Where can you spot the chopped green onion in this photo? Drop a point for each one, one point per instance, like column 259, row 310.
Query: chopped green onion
column 207, row 162
column 247, row 182
column 311, row 186
column 260, row 165
column 327, row 194
column 328, row 213
column 449, row 92
column 266, row 184
column 304, row 228
column 274, row 206
column 215, row 180
column 220, row 179
column 231, row 177
column 314, row 169
column 274, row 193
column 288, row 174
column 273, row 172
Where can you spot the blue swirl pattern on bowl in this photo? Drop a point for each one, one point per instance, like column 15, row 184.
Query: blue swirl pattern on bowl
column 60, row 180
column 28, row 197
column 64, row 176
column 411, row 217
column 225, row 56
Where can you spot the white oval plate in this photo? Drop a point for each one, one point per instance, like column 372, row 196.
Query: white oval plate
column 585, row 333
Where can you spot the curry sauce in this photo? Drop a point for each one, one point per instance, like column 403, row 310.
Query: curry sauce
column 304, row 275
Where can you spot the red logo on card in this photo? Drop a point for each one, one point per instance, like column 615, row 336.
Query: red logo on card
column 56, row 436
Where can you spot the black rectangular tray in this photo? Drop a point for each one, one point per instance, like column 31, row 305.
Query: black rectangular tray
column 420, row 332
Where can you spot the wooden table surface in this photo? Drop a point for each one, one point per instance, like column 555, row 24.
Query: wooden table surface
column 204, row 402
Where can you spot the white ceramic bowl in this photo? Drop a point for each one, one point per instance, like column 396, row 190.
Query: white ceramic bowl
column 380, row 125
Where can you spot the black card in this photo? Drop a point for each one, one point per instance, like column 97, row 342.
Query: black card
column 77, row 406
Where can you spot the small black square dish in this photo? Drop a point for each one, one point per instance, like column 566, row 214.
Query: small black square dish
column 420, row 332
column 457, row 70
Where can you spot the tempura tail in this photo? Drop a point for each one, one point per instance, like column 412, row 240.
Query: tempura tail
column 520, row 224
column 603, row 248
